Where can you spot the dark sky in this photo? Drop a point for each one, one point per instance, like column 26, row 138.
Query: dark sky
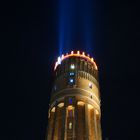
column 30, row 38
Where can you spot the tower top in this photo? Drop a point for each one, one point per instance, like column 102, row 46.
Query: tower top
column 75, row 54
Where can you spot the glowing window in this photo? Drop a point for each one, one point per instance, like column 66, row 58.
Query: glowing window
column 72, row 73
column 53, row 109
column 71, row 80
column 72, row 66
column 70, row 100
column 60, row 104
column 70, row 125
column 80, row 103
column 70, row 107
column 70, row 113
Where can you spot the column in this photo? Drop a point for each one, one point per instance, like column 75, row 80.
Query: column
column 50, row 124
column 70, row 122
column 91, row 123
column 95, row 126
column 58, row 122
column 98, row 125
column 63, row 123
column 86, row 122
column 80, row 121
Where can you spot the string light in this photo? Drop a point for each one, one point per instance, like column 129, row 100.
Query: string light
column 60, row 59
column 83, row 53
column 71, row 52
column 78, row 52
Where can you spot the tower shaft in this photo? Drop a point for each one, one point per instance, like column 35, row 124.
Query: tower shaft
column 74, row 112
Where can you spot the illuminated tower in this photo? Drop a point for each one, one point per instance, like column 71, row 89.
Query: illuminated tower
column 74, row 112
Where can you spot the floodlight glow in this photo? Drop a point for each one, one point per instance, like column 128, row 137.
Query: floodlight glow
column 59, row 60
column 62, row 57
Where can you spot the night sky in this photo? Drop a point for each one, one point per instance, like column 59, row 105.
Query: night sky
column 36, row 32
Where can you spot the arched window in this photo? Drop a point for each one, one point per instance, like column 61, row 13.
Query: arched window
column 70, row 111
column 60, row 105
column 70, row 125
column 80, row 103
column 72, row 66
column 53, row 109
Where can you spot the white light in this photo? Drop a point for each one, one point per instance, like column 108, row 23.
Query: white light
column 78, row 52
column 70, row 125
column 71, row 80
column 83, row 53
column 59, row 60
column 62, row 57
column 71, row 52
column 72, row 66
column 55, row 65
column 71, row 73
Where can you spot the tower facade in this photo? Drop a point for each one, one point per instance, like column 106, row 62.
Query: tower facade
column 74, row 112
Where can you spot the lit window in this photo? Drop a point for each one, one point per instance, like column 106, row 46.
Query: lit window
column 80, row 103
column 70, row 125
column 53, row 109
column 60, row 105
column 71, row 80
column 90, row 85
column 70, row 113
column 72, row 66
column 70, row 107
column 71, row 73
column 70, row 100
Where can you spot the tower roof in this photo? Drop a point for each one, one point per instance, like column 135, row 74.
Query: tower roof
column 73, row 54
